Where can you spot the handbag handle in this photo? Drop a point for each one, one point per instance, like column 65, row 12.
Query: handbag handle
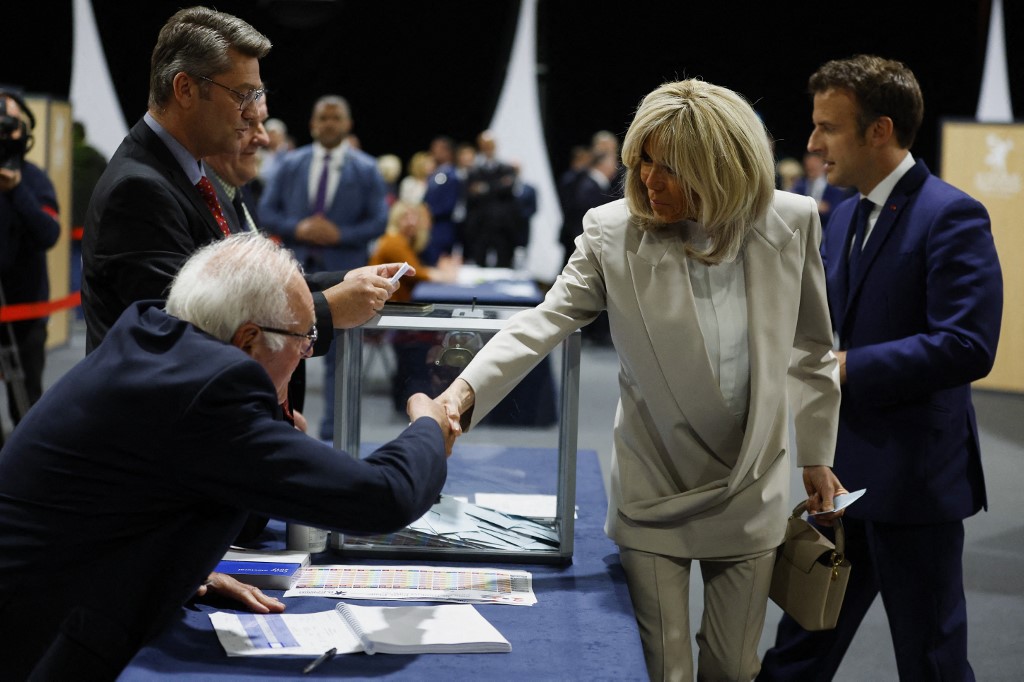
column 839, row 553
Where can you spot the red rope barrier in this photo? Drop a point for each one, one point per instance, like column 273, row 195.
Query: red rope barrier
column 31, row 311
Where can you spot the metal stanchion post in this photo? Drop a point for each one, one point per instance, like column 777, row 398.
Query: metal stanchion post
column 10, row 363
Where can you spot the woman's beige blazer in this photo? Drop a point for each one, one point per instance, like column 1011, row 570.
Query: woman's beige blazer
column 687, row 478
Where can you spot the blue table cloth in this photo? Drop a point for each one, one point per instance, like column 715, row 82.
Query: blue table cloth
column 582, row 627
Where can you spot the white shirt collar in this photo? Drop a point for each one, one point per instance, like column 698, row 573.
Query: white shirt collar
column 882, row 190
column 337, row 153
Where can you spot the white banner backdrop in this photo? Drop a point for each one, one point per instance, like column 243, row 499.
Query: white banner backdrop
column 93, row 98
column 519, row 134
column 994, row 99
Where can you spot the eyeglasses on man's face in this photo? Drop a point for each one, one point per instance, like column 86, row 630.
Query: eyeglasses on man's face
column 310, row 337
column 245, row 99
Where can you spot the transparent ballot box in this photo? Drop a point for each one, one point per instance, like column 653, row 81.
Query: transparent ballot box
column 511, row 487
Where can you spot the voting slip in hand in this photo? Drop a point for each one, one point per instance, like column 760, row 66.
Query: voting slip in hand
column 843, row 501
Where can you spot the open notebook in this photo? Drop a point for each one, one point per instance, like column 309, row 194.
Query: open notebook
column 441, row 629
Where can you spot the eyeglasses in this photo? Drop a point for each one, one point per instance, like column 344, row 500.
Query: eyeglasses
column 245, row 99
column 310, row 337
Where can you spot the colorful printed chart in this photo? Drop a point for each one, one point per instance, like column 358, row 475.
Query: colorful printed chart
column 416, row 583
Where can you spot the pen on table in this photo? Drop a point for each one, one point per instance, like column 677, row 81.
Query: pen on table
column 322, row 658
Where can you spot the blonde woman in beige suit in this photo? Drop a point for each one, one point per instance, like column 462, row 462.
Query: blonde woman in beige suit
column 716, row 299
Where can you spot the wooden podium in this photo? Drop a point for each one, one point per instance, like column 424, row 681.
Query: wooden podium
column 52, row 153
column 986, row 160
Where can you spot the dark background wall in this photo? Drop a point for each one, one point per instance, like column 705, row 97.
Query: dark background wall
column 414, row 69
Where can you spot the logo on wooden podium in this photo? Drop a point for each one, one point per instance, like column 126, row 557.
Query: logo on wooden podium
column 997, row 179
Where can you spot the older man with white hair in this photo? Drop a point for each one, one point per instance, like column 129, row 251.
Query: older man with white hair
column 125, row 484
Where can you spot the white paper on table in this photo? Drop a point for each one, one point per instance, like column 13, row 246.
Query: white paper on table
column 516, row 289
column 535, row 506
column 446, row 628
column 310, row 634
column 469, row 274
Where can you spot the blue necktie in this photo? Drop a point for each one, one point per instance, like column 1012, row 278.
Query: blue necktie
column 320, row 202
column 864, row 209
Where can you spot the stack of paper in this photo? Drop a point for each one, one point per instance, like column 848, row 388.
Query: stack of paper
column 454, row 523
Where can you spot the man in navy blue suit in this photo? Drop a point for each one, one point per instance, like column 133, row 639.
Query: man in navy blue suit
column 591, row 188
column 124, row 485
column 444, row 190
column 915, row 295
column 327, row 200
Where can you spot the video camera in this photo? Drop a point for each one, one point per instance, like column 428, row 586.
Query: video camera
column 15, row 134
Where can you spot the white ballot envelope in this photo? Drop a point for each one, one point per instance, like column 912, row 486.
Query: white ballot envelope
column 844, row 500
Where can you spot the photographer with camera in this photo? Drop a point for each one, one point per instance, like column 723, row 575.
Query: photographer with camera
column 29, row 227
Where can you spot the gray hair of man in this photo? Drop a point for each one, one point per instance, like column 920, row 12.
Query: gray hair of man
column 719, row 150
column 275, row 125
column 196, row 41
column 243, row 278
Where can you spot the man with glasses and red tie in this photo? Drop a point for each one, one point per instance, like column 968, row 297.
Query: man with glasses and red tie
column 154, row 204
column 125, row 484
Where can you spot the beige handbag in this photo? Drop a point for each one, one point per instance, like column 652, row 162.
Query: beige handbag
column 810, row 574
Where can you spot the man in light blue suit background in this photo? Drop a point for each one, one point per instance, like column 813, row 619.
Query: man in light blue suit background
column 915, row 294
column 327, row 203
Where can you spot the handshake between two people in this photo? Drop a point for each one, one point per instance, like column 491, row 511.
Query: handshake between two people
column 361, row 295
column 451, row 410
column 455, row 403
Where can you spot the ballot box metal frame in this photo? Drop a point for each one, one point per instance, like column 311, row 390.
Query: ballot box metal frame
column 459, row 318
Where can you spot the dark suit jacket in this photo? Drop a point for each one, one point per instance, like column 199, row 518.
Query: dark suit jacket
column 444, row 190
column 144, row 220
column 584, row 194
column 919, row 325
column 494, row 219
column 125, row 484
column 28, row 229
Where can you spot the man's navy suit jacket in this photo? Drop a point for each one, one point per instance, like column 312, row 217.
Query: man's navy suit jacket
column 125, row 484
column 919, row 324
